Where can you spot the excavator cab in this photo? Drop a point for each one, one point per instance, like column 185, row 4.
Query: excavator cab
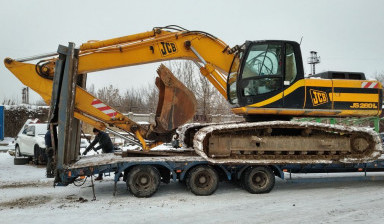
column 264, row 69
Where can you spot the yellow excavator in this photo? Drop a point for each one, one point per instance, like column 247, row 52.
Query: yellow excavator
column 262, row 80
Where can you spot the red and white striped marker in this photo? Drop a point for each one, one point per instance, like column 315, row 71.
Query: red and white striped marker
column 103, row 108
column 369, row 85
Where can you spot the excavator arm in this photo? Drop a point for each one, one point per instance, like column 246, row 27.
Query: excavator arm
column 157, row 45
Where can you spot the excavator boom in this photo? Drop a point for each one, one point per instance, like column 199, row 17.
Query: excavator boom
column 176, row 104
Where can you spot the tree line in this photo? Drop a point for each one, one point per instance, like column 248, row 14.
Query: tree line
column 144, row 99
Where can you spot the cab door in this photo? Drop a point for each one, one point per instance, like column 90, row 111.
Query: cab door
column 293, row 85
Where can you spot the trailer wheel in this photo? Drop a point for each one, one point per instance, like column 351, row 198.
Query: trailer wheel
column 258, row 180
column 202, row 180
column 143, row 181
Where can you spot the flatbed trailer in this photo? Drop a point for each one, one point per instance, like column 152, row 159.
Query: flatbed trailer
column 144, row 174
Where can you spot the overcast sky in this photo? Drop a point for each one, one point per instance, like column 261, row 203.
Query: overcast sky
column 348, row 35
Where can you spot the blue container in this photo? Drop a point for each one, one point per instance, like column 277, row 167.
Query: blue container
column 1, row 123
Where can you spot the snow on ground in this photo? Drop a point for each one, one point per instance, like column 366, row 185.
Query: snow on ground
column 7, row 144
column 26, row 196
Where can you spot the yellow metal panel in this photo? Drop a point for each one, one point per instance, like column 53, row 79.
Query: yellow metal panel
column 167, row 46
column 321, row 113
column 354, row 97
column 318, row 82
column 115, row 41
column 359, row 113
column 151, row 50
column 347, row 83
column 305, row 112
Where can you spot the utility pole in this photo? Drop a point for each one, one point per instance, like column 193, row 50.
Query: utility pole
column 313, row 60
column 1, row 123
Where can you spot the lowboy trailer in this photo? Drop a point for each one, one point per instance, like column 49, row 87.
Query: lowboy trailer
column 144, row 172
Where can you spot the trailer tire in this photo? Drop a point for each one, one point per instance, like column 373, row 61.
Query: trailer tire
column 258, row 180
column 20, row 160
column 202, row 180
column 143, row 181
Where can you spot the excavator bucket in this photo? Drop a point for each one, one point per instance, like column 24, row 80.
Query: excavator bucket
column 177, row 104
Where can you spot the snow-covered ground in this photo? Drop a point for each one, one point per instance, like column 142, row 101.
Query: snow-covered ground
column 26, row 196
column 7, row 144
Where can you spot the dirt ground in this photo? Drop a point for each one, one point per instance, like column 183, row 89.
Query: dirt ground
column 26, row 196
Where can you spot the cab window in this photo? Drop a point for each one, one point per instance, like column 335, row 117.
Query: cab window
column 262, row 71
column 232, row 79
column 290, row 64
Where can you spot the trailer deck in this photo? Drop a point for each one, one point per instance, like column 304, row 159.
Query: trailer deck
column 180, row 167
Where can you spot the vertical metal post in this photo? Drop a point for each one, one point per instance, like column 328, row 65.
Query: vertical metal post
column 63, row 104
column 376, row 121
column 66, row 108
column 1, row 123
column 93, row 188
column 76, row 134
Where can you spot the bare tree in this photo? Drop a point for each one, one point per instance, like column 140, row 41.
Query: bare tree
column 209, row 100
column 110, row 95
column 91, row 89
column 145, row 99
column 152, row 98
column 40, row 102
column 8, row 101
column 186, row 72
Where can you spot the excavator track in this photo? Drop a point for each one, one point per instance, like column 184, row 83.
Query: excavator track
column 282, row 142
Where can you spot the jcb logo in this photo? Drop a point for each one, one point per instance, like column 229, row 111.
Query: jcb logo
column 318, row 97
column 167, row 48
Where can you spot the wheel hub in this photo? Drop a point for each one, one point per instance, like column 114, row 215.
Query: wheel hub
column 202, row 180
column 259, row 179
column 143, row 180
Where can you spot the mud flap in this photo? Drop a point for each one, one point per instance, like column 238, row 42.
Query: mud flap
column 177, row 104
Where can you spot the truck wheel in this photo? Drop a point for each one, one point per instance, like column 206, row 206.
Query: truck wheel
column 202, row 180
column 20, row 160
column 143, row 181
column 258, row 180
